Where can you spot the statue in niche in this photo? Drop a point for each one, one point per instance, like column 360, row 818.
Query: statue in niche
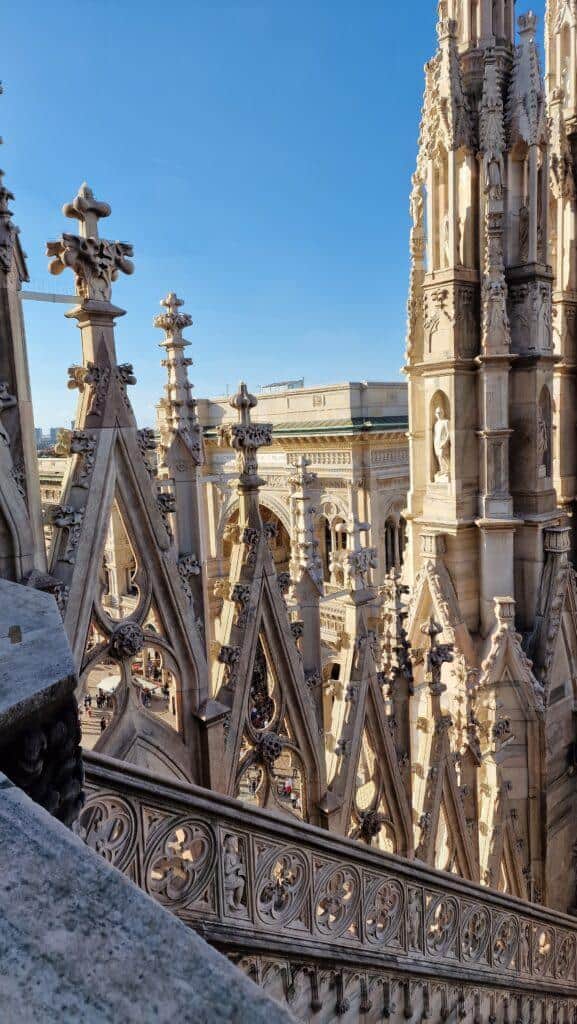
column 7, row 401
column 542, row 444
column 493, row 162
column 442, row 446
column 565, row 78
column 445, row 241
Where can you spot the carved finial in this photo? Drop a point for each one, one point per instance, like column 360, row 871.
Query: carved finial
column 301, row 477
column 179, row 407
column 87, row 210
column 172, row 322
column 527, row 23
column 243, row 402
column 96, row 262
column 247, row 437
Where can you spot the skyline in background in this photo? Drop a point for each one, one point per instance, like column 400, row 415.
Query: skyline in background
column 257, row 156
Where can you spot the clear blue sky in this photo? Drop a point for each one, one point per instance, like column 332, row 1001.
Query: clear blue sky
column 257, row 155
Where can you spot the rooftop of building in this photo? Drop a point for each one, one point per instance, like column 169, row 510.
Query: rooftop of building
column 343, row 408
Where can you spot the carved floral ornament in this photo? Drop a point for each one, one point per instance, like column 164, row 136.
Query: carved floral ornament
column 126, row 641
column 98, row 379
column 172, row 321
column 188, row 569
column 96, row 262
column 69, row 519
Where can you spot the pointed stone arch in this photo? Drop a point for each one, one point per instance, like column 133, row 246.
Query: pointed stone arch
column 255, row 619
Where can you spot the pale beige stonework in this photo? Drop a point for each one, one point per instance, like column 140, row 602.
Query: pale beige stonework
column 350, row 763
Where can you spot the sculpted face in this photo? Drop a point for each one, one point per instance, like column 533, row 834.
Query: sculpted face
column 439, row 413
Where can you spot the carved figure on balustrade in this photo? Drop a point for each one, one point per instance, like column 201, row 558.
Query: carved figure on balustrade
column 234, row 874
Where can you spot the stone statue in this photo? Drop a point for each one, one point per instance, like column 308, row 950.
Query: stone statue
column 416, row 203
column 524, row 234
column 234, row 874
column 445, row 241
column 442, row 446
column 542, row 444
column 7, row 401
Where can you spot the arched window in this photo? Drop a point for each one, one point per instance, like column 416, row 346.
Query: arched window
column 340, row 535
column 565, row 69
column 402, row 538
column 390, row 544
column 323, row 537
column 474, row 20
column 441, row 254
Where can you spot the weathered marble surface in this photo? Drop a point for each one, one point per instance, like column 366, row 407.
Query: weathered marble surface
column 36, row 666
column 79, row 943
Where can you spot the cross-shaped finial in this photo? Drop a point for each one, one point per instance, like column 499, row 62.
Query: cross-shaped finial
column 172, row 322
column 243, row 401
column 172, row 303
column 87, row 210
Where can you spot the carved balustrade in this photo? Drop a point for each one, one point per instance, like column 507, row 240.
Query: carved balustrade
column 315, row 917
column 332, row 621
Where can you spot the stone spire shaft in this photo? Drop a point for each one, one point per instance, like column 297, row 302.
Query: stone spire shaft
column 246, row 438
column 179, row 405
column 182, row 452
column 21, row 534
column 96, row 263
column 103, row 410
column 305, row 565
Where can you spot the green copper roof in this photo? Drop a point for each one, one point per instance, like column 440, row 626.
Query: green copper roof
column 356, row 425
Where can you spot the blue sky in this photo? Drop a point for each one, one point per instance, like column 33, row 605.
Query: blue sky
column 258, row 157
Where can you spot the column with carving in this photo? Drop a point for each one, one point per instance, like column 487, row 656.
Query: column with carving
column 495, row 503
column 443, row 321
column 529, row 280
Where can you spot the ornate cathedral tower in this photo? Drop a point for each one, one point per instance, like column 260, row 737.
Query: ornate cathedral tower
column 480, row 359
column 487, row 558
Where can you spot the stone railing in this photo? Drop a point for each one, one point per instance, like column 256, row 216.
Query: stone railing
column 326, row 923
column 332, row 618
